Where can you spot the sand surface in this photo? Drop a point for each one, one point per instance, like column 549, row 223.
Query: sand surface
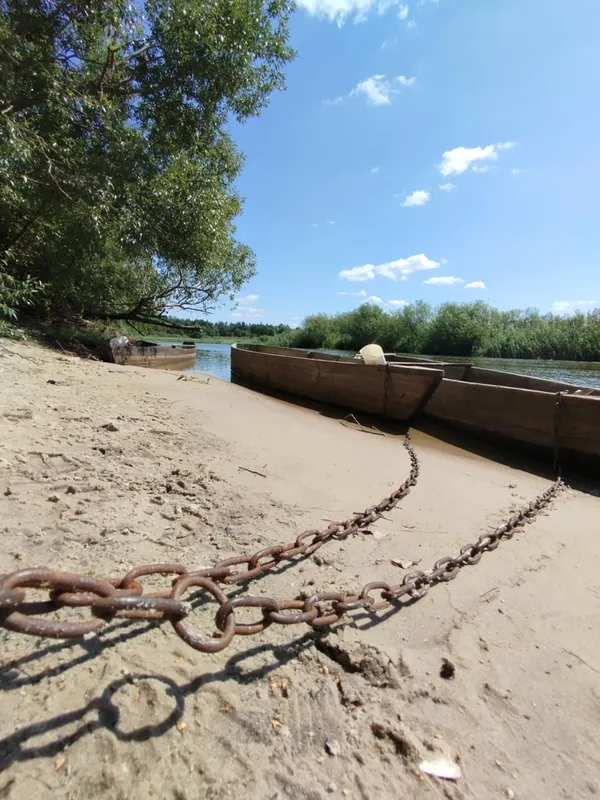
column 134, row 712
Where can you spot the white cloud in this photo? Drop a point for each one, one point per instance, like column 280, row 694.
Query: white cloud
column 362, row 293
column 476, row 285
column 564, row 306
column 399, row 269
column 446, row 280
column 374, row 170
column 373, row 299
column 250, row 298
column 332, row 222
column 402, row 11
column 248, row 312
column 339, row 11
column 457, row 161
column 417, row 198
column 398, row 303
column 447, row 187
column 482, row 168
column 411, row 24
column 378, row 89
column 515, row 171
column 314, row 225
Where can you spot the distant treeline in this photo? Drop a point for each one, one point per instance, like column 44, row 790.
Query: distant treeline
column 456, row 329
column 207, row 329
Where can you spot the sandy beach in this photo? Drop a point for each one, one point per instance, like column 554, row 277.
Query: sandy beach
column 105, row 467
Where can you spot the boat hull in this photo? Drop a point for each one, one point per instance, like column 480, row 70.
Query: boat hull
column 560, row 421
column 155, row 356
column 396, row 392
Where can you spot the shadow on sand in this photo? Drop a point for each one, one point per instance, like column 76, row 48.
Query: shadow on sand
column 462, row 440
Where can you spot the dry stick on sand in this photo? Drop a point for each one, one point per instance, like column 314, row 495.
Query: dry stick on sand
column 253, row 471
column 374, row 431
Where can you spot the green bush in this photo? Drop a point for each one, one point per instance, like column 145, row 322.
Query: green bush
column 456, row 329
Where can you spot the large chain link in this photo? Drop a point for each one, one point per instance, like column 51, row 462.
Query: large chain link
column 125, row 597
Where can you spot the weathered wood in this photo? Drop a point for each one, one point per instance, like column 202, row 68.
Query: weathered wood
column 155, row 356
column 518, row 381
column 554, row 424
column 395, row 391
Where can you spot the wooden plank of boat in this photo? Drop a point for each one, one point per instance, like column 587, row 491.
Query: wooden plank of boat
column 154, row 356
column 395, row 391
column 558, row 420
column 558, row 424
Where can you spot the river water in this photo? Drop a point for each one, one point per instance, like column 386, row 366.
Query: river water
column 214, row 359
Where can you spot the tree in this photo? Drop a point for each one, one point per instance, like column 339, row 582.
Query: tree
column 362, row 326
column 459, row 329
column 117, row 170
column 317, row 331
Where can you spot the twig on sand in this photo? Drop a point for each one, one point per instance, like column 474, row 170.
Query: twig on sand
column 253, row 471
column 362, row 428
column 194, row 379
column 377, row 431
column 579, row 658
column 489, row 591
column 20, row 355
column 352, row 418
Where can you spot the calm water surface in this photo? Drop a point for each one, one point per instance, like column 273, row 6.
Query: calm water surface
column 214, row 359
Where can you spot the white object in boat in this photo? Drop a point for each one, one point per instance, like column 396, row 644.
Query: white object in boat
column 373, row 354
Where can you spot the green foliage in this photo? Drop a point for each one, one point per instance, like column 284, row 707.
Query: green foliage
column 16, row 293
column 457, row 329
column 117, row 170
column 318, row 331
column 210, row 330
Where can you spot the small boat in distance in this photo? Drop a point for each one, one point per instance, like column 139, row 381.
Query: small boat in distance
column 122, row 350
column 394, row 391
column 558, row 421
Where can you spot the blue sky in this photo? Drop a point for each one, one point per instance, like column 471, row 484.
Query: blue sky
column 496, row 101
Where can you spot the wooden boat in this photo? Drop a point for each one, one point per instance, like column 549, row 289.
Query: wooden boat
column 560, row 421
column 153, row 356
column 395, row 391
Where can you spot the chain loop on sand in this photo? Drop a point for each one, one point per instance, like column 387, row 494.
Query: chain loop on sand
column 125, row 597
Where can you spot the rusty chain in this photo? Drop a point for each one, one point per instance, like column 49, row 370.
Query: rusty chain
column 125, row 597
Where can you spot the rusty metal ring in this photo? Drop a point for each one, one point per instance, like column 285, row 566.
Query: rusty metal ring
column 449, row 566
column 128, row 580
column 54, row 629
column 75, row 599
column 302, row 536
column 11, row 598
column 144, row 607
column 471, row 553
column 189, row 636
column 273, row 550
column 352, row 605
column 291, row 619
column 246, row 628
column 375, row 605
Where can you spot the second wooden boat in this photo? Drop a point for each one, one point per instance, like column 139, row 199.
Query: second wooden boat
column 395, row 391
column 153, row 356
